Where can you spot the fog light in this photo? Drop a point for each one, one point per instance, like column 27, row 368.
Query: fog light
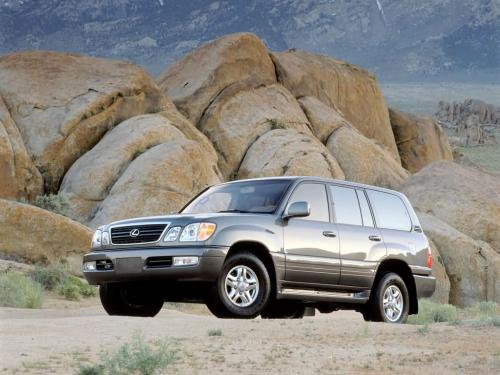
column 185, row 261
column 89, row 266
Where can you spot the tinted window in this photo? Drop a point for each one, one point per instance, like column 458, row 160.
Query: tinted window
column 315, row 194
column 390, row 211
column 346, row 206
column 365, row 209
column 245, row 196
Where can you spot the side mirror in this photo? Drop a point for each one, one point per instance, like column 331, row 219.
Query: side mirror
column 297, row 209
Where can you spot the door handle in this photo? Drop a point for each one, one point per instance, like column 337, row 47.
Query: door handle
column 375, row 238
column 328, row 233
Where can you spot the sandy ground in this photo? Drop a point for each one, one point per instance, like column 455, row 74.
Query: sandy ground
column 57, row 339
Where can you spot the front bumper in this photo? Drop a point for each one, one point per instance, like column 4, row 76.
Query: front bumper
column 133, row 264
column 425, row 285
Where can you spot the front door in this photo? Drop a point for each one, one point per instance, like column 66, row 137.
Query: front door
column 311, row 243
column 361, row 244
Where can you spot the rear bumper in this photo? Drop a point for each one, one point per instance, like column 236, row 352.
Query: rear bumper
column 131, row 265
column 425, row 285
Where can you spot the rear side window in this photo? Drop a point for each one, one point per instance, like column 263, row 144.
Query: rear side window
column 346, row 206
column 365, row 209
column 315, row 195
column 390, row 211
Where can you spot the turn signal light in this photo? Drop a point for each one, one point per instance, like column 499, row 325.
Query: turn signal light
column 429, row 257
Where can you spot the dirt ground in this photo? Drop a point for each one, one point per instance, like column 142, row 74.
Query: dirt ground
column 57, row 339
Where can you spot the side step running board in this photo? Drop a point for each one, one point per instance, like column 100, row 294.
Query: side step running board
column 315, row 295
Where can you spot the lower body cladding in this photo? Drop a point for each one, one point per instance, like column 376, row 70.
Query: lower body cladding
column 157, row 264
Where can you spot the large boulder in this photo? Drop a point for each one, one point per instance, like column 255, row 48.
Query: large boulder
column 354, row 91
column 363, row 160
column 159, row 181
column 442, row 292
column 19, row 177
column 420, row 140
column 92, row 177
column 233, row 122
column 37, row 235
column 324, row 119
column 463, row 197
column 63, row 103
column 473, row 267
column 290, row 153
column 198, row 78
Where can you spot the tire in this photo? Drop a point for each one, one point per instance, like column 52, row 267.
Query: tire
column 242, row 273
column 391, row 290
column 129, row 300
column 283, row 310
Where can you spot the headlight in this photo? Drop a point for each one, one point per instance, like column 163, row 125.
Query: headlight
column 105, row 238
column 172, row 234
column 198, row 232
column 96, row 239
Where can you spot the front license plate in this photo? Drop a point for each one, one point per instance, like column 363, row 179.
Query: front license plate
column 126, row 265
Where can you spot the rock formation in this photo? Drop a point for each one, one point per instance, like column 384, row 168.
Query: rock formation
column 63, row 103
column 37, row 235
column 420, row 140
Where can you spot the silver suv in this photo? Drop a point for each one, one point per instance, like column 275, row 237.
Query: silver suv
column 275, row 247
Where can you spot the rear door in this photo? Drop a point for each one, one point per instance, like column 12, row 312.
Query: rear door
column 394, row 221
column 361, row 242
column 311, row 243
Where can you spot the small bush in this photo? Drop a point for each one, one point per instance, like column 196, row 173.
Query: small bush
column 72, row 288
column 134, row 357
column 50, row 276
column 431, row 312
column 56, row 203
column 215, row 332
column 58, row 278
column 17, row 290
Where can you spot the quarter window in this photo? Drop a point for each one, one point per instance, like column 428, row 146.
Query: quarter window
column 346, row 206
column 390, row 211
column 315, row 195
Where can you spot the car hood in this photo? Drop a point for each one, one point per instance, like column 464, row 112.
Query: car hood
column 179, row 219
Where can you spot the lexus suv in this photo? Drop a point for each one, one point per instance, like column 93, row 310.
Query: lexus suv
column 275, row 247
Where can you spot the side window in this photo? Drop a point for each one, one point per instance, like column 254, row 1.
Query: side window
column 346, row 206
column 365, row 209
column 390, row 211
column 315, row 194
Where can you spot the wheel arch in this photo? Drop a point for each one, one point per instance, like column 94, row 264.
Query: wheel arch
column 260, row 251
column 401, row 268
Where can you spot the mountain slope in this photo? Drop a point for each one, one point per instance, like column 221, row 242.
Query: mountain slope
column 395, row 38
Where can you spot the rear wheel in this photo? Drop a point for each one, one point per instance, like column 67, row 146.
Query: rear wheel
column 391, row 301
column 242, row 289
column 129, row 300
column 283, row 310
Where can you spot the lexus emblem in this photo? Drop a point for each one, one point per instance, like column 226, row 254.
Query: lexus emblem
column 134, row 232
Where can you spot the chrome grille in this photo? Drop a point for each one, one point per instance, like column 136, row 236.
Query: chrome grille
column 133, row 234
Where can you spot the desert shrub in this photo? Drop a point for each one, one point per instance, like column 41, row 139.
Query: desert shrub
column 50, row 276
column 481, row 313
column 215, row 332
column 135, row 357
column 56, row 277
column 17, row 290
column 72, row 288
column 431, row 312
column 56, row 203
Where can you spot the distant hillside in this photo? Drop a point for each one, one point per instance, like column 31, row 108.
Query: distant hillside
column 397, row 39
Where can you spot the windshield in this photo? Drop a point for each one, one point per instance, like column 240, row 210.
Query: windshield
column 246, row 197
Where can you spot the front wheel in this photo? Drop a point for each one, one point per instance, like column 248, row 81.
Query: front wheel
column 129, row 300
column 391, row 301
column 242, row 289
